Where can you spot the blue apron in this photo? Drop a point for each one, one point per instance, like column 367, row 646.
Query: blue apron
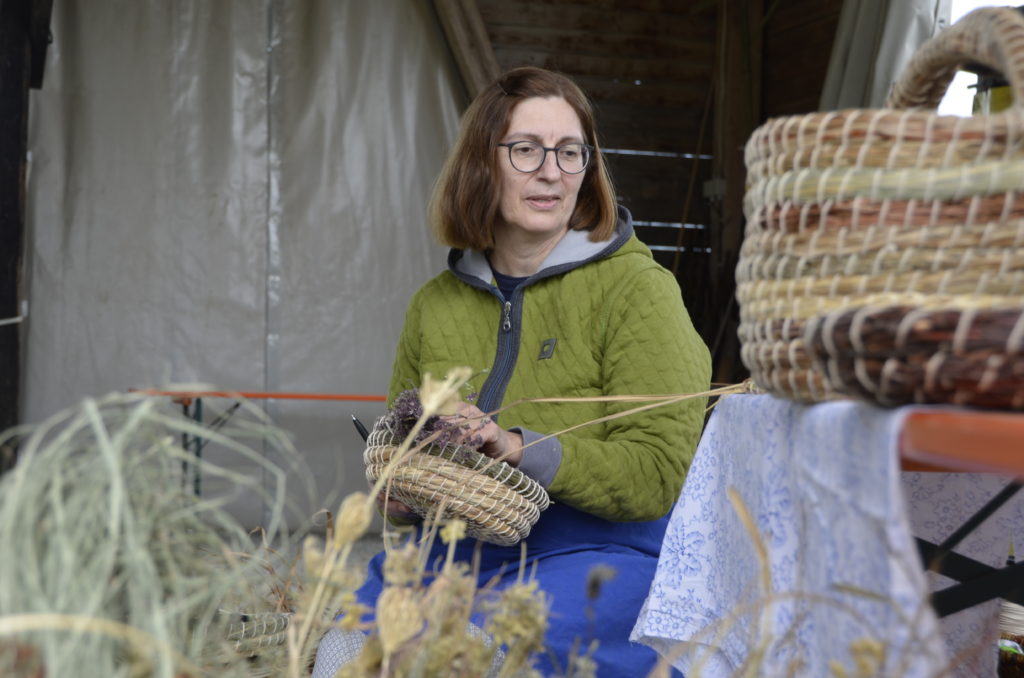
column 565, row 544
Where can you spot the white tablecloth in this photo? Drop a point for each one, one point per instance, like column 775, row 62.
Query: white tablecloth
column 837, row 518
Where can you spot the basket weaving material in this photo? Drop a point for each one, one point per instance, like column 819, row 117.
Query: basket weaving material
column 1011, row 627
column 884, row 249
column 498, row 502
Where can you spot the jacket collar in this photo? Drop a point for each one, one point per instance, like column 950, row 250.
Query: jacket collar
column 573, row 251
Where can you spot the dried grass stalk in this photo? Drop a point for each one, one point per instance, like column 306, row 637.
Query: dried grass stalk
column 111, row 563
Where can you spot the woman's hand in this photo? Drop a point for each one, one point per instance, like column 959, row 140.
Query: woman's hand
column 395, row 509
column 496, row 442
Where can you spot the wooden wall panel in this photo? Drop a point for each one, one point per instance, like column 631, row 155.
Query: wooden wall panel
column 797, row 44
column 671, row 71
column 588, row 16
column 654, row 188
column 671, row 129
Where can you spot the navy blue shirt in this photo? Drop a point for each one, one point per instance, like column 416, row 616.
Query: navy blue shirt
column 507, row 284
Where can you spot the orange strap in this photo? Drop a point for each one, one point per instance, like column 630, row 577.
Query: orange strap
column 964, row 440
column 184, row 396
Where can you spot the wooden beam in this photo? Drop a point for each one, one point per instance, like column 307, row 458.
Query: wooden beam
column 469, row 42
column 573, row 40
column 736, row 114
column 15, row 72
column 587, row 17
column 39, row 38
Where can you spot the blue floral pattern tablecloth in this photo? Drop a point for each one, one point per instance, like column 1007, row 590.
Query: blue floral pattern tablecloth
column 836, row 518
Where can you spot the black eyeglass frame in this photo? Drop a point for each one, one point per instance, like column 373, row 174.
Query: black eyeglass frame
column 587, row 147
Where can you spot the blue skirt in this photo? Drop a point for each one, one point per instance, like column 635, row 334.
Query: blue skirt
column 565, row 544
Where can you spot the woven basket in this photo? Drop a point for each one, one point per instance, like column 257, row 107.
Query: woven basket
column 1011, row 627
column 1011, row 665
column 498, row 503
column 884, row 250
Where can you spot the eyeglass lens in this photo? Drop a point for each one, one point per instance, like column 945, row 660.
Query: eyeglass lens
column 528, row 156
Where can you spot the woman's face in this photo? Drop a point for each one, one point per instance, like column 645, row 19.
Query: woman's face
column 539, row 203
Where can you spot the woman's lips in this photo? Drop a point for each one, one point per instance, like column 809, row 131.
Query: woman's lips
column 542, row 202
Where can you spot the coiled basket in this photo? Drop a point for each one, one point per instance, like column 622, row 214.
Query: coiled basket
column 498, row 503
column 884, row 250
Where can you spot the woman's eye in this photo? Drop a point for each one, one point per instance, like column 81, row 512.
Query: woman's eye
column 525, row 150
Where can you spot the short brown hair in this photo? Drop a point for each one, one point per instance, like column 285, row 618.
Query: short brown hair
column 465, row 203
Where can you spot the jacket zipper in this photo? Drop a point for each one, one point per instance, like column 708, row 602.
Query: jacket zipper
column 507, row 351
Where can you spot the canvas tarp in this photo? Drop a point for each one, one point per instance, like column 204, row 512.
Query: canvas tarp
column 234, row 193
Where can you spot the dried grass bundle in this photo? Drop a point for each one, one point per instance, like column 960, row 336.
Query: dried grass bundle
column 111, row 567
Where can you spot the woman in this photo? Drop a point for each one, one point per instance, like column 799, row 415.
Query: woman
column 548, row 293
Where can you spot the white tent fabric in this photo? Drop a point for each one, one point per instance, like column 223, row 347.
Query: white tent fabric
column 234, row 193
column 874, row 41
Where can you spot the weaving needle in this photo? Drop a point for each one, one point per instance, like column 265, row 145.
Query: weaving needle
column 359, row 427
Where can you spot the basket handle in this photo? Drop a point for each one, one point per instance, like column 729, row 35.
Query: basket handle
column 993, row 36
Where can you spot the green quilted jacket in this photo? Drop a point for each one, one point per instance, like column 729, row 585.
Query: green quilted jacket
column 597, row 319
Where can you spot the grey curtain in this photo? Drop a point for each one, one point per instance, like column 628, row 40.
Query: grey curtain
column 874, row 41
column 234, row 193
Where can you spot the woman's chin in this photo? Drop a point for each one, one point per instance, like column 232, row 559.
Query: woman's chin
column 540, row 228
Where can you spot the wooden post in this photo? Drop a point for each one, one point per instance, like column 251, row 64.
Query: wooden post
column 24, row 34
column 737, row 114
column 467, row 37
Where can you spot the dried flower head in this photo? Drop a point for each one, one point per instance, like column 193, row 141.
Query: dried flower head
column 518, row 619
column 453, row 531
column 398, row 617
column 402, row 566
column 354, row 518
column 450, row 597
column 313, row 556
column 442, row 397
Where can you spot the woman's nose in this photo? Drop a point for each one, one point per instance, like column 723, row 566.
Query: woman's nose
column 549, row 168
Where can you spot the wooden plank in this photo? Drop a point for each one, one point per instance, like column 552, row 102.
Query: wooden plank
column 665, row 72
column 655, row 188
column 642, row 94
column 588, row 18
column 39, row 38
column 471, row 46
column 671, row 129
column 800, row 14
column 813, row 44
column 691, row 9
column 664, row 207
column 15, row 76
column 794, row 74
column 583, row 42
column 737, row 113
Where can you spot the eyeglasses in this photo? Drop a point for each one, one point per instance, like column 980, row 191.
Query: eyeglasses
column 528, row 156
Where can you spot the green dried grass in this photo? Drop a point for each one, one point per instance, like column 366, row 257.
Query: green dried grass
column 111, row 566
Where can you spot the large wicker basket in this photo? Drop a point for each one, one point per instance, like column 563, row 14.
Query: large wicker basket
column 1011, row 627
column 498, row 503
column 884, row 250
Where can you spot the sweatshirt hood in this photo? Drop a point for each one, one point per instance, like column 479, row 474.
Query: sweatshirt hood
column 574, row 250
